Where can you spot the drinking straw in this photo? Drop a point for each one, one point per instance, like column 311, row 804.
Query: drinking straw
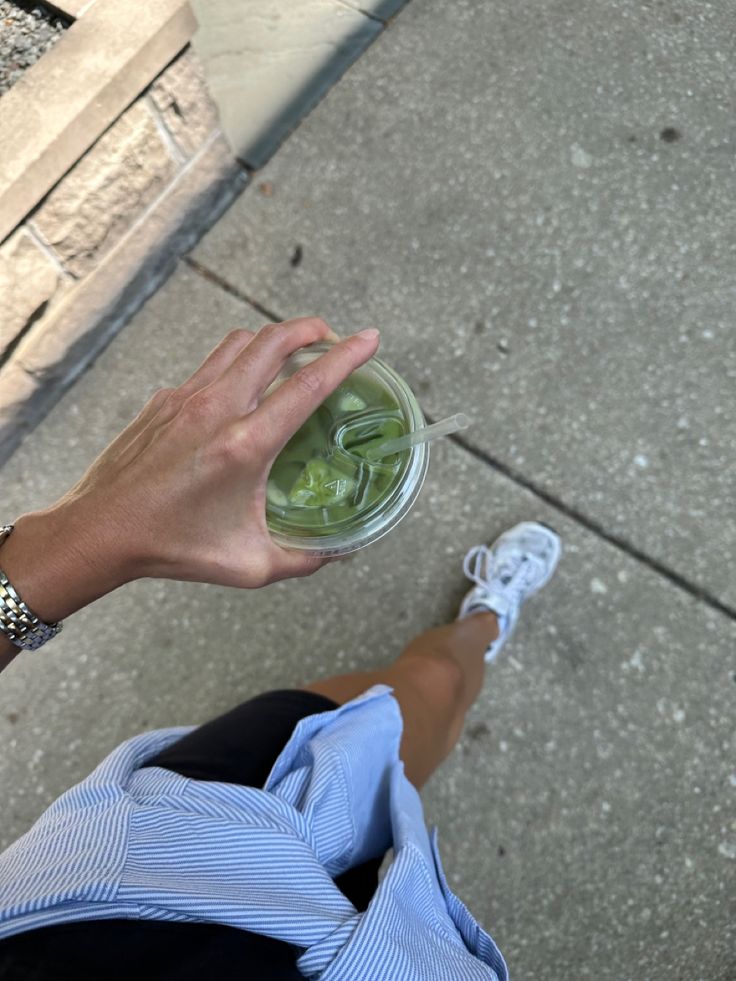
column 450, row 425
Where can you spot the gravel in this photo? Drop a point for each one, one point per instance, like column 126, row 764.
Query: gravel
column 26, row 31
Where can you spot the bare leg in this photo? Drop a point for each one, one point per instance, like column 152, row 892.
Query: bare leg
column 435, row 681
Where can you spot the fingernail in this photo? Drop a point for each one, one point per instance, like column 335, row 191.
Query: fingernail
column 370, row 333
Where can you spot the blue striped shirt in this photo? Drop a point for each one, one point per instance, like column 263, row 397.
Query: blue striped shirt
column 141, row 842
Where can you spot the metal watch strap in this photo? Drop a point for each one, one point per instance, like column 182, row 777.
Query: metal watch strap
column 19, row 624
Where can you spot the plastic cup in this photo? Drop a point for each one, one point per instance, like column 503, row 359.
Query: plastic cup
column 324, row 494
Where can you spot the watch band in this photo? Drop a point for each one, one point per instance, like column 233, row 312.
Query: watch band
column 17, row 622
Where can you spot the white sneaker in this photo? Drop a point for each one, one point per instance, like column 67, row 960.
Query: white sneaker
column 507, row 573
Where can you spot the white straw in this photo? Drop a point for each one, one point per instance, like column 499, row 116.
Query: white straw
column 443, row 428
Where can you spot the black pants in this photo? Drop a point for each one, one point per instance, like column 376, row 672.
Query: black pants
column 238, row 747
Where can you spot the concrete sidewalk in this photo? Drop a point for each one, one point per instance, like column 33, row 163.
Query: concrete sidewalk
column 535, row 204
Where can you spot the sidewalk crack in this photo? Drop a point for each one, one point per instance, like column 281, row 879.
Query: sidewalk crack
column 692, row 588
column 360, row 10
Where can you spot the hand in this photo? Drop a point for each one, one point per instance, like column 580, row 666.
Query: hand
column 181, row 493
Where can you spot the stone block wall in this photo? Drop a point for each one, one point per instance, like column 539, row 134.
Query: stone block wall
column 103, row 229
column 103, row 196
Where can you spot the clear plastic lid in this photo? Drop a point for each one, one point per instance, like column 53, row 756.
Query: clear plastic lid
column 293, row 515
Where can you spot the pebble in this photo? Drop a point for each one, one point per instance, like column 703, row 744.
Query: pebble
column 25, row 34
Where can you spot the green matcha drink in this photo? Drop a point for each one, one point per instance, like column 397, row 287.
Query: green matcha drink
column 330, row 490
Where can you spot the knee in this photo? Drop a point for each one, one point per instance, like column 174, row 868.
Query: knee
column 440, row 681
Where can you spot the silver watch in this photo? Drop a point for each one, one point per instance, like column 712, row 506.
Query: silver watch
column 19, row 624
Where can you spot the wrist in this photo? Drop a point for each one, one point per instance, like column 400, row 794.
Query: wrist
column 58, row 564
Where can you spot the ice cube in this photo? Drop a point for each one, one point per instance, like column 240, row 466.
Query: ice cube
column 321, row 485
column 275, row 496
column 350, row 402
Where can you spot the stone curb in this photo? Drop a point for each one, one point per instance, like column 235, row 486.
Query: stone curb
column 54, row 119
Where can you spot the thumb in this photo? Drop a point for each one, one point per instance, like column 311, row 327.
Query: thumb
column 293, row 564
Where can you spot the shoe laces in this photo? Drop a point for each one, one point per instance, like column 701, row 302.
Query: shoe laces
column 513, row 569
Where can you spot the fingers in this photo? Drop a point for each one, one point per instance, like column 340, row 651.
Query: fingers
column 285, row 410
column 170, row 399
column 213, row 367
column 218, row 360
column 222, row 369
column 250, row 374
